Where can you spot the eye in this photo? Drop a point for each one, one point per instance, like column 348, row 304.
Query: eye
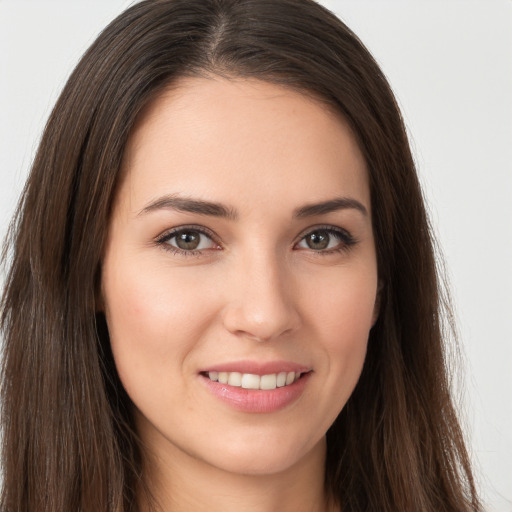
column 326, row 240
column 187, row 240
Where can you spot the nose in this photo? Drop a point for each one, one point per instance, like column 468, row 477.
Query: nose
column 261, row 303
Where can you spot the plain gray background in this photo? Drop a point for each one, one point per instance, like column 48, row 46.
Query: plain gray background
column 450, row 64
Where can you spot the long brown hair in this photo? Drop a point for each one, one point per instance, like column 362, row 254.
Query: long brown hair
column 69, row 442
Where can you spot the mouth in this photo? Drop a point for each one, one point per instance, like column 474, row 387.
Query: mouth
column 257, row 386
column 255, row 393
column 253, row 381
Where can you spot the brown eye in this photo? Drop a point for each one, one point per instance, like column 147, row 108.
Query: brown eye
column 188, row 240
column 318, row 240
column 327, row 240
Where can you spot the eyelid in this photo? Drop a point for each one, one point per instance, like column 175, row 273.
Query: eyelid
column 347, row 240
column 167, row 235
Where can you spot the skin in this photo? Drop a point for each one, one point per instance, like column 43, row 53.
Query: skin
column 253, row 291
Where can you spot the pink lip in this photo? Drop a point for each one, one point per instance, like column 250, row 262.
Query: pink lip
column 257, row 368
column 255, row 400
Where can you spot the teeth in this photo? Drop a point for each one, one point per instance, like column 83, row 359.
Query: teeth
column 235, row 379
column 268, row 381
column 251, row 381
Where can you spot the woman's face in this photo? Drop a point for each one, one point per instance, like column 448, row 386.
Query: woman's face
column 240, row 255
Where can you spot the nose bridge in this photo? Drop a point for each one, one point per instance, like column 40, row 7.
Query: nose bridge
column 260, row 303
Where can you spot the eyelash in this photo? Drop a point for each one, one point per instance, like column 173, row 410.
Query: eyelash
column 163, row 240
column 347, row 241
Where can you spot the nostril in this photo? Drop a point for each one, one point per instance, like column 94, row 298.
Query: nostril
column 251, row 321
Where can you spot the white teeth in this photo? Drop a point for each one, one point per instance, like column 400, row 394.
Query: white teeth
column 235, row 379
column 251, row 381
column 290, row 378
column 268, row 381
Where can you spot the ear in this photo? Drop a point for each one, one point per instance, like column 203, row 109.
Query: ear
column 378, row 297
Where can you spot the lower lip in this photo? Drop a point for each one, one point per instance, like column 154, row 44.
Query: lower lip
column 257, row 400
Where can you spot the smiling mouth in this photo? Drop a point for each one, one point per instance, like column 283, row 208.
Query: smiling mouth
column 252, row 381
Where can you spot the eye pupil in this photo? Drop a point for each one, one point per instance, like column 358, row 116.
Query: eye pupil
column 318, row 240
column 188, row 240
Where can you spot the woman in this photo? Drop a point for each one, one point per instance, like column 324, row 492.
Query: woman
column 223, row 291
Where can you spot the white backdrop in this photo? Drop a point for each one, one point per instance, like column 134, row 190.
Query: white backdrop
column 450, row 64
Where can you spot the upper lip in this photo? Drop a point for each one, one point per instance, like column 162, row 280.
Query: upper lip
column 258, row 367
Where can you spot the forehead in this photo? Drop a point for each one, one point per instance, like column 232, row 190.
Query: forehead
column 221, row 137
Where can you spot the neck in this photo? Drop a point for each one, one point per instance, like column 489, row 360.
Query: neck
column 179, row 482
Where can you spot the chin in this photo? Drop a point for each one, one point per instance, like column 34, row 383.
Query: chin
column 267, row 457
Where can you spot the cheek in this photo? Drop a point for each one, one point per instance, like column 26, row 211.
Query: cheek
column 342, row 319
column 343, row 302
column 147, row 302
column 154, row 319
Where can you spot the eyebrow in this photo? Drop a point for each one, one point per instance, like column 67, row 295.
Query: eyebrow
column 332, row 205
column 190, row 205
column 202, row 207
